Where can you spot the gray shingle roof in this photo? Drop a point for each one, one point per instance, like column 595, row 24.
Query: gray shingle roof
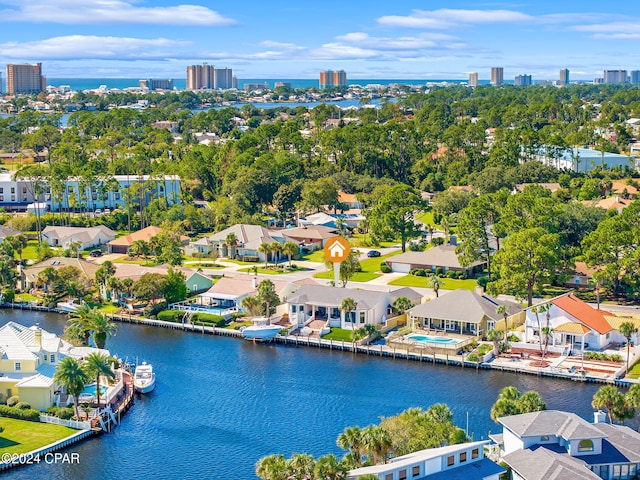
column 333, row 296
column 542, row 464
column 551, row 422
column 465, row 306
column 440, row 256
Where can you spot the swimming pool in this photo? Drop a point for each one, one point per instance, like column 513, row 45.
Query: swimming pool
column 434, row 340
column 90, row 390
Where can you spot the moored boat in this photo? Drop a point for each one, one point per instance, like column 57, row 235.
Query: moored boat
column 68, row 306
column 261, row 330
column 144, row 378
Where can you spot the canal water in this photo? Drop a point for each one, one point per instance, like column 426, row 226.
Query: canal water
column 222, row 403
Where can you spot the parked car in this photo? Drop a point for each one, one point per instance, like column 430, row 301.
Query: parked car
column 96, row 253
column 373, row 253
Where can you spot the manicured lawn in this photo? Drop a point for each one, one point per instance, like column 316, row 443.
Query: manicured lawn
column 359, row 240
column 239, row 325
column 271, row 271
column 445, row 283
column 317, row 256
column 370, row 269
column 25, row 297
column 29, row 252
column 20, row 436
column 426, row 217
column 634, row 372
column 136, row 261
column 239, row 262
column 338, row 334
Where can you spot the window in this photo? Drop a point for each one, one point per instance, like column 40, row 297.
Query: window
column 1, row 189
column 116, row 196
column 388, row 476
column 415, row 471
column 450, row 460
column 402, row 475
column 13, row 189
column 585, row 446
column 293, row 308
column 475, row 453
column 52, row 357
column 362, row 316
column 17, row 367
column 544, row 438
column 45, row 357
column 463, row 457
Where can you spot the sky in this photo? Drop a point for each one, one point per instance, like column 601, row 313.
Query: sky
column 375, row 39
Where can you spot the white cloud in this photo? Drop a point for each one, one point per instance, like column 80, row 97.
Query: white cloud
column 93, row 12
column 447, row 18
column 92, row 47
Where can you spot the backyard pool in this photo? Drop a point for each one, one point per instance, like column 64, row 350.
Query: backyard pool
column 90, row 390
column 434, row 340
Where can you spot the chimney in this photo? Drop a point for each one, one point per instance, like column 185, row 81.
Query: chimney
column 599, row 417
column 37, row 336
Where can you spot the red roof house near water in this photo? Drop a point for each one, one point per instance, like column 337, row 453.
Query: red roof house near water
column 583, row 312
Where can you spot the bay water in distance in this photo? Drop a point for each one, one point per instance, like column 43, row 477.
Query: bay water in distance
column 221, row 403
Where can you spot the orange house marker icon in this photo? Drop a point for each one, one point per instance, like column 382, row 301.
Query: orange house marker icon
column 337, row 249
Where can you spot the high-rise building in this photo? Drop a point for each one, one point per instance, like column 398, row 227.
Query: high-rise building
column 25, row 78
column 497, row 75
column 473, row 79
column 564, row 77
column 331, row 78
column 522, row 80
column 155, row 84
column 208, row 77
column 615, row 76
column 634, row 76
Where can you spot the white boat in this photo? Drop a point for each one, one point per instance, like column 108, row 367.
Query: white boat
column 261, row 330
column 144, row 378
column 68, row 306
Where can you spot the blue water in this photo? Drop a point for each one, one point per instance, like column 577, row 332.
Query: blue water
column 220, row 404
column 180, row 83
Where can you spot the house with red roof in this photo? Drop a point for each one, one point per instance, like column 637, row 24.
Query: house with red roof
column 572, row 323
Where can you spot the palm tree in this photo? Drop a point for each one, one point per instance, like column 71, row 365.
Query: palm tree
column 276, row 248
column 351, row 439
column 301, row 466
column 272, row 467
column 347, row 306
column 267, row 294
column 495, row 336
column 328, row 467
column 609, row 398
column 139, row 248
column 504, row 311
column 266, row 249
column 80, row 320
column 232, row 242
column 290, row 249
column 434, row 282
column 102, row 328
column 537, row 310
column 627, row 329
column 97, row 365
column 377, row 442
column 251, row 305
column 72, row 377
column 402, row 304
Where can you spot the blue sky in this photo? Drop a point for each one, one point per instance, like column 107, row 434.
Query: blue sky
column 285, row 39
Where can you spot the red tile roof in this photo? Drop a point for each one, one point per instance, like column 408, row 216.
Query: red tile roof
column 583, row 312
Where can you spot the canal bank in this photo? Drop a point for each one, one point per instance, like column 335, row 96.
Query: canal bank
column 221, row 404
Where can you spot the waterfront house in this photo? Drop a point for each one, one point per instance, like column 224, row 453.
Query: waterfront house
column 573, row 324
column 122, row 244
column 198, row 281
column 552, row 444
column 311, row 237
column 464, row 461
column 29, row 275
column 442, row 257
column 87, row 237
column 248, row 240
column 319, row 302
column 465, row 312
column 28, row 360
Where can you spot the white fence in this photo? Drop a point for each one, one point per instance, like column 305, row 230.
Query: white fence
column 67, row 423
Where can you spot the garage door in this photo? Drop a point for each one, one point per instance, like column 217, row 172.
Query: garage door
column 400, row 267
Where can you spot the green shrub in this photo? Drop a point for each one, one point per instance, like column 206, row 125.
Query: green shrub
column 472, row 357
column 208, row 319
column 152, row 310
column 513, row 338
column 384, row 268
column 171, row 315
column 439, row 271
column 12, row 412
column 23, row 406
column 238, row 315
column 451, row 274
column 3, row 399
column 13, row 401
column 437, row 241
column 482, row 281
column 484, row 349
column 52, row 410
column 65, row 413
column 418, row 272
column 616, row 358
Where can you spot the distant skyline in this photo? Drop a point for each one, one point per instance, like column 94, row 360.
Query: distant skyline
column 279, row 39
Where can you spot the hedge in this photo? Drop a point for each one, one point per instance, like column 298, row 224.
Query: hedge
column 208, row 319
column 30, row 415
column 171, row 315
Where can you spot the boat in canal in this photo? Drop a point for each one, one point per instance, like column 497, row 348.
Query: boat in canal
column 69, row 306
column 144, row 378
column 261, row 330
